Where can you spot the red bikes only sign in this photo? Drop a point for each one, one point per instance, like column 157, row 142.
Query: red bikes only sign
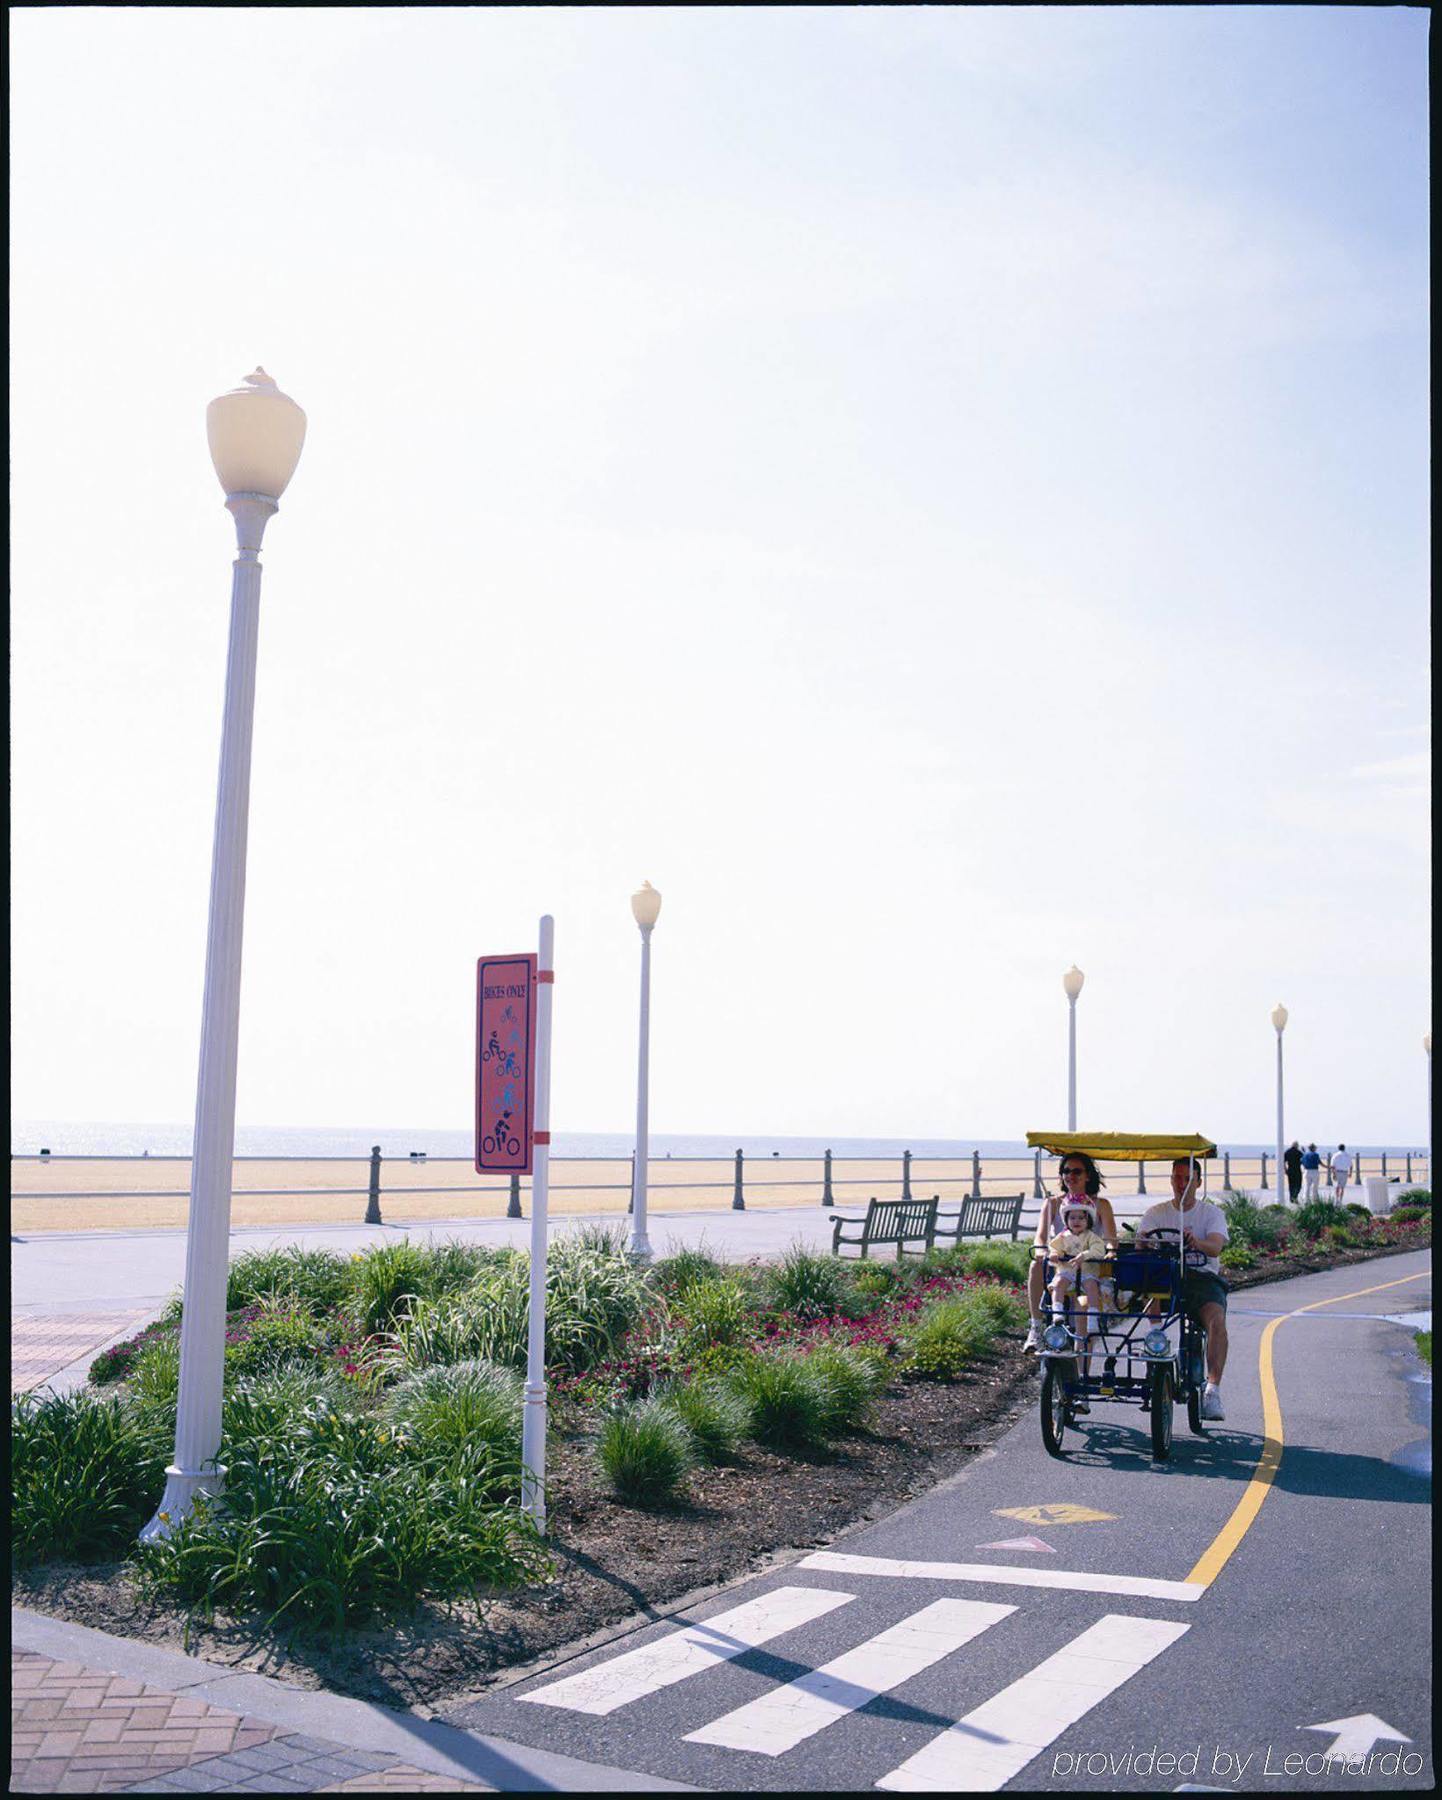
column 505, row 1062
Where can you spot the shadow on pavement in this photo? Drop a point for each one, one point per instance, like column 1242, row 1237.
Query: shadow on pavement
column 1233, row 1456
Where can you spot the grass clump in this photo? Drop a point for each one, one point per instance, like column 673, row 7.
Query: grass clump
column 850, row 1378
column 461, row 1407
column 317, row 1279
column 645, row 1452
column 946, row 1336
column 1006, row 1261
column 714, row 1413
column 716, row 1312
column 1424, row 1347
column 1407, row 1215
column 807, row 1285
column 675, row 1276
column 85, row 1472
column 790, row 1402
column 274, row 1333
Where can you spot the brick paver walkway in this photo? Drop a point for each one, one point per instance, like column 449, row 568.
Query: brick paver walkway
column 42, row 1346
column 82, row 1731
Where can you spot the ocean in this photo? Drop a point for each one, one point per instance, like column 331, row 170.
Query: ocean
column 90, row 1138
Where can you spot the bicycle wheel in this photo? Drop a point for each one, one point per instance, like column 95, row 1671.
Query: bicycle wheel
column 1055, row 1397
column 1194, row 1412
column 1161, row 1398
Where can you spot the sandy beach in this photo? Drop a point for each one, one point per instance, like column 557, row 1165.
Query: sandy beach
column 64, row 1193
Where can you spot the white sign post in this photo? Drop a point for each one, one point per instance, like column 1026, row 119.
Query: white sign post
column 533, row 1426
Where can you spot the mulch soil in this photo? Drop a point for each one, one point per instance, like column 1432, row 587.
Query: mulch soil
column 614, row 1562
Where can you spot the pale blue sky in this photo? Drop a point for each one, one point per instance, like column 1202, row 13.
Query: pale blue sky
column 894, row 478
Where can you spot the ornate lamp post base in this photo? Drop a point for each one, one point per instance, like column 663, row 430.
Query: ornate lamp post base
column 181, row 1487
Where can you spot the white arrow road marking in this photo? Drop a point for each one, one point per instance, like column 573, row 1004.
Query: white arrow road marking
column 778, row 1721
column 1356, row 1736
column 1082, row 1581
column 621, row 1679
column 997, row 1739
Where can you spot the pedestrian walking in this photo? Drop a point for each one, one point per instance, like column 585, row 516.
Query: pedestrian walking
column 1341, row 1169
column 1292, row 1161
column 1311, row 1170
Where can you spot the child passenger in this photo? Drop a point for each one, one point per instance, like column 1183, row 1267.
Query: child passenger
column 1079, row 1252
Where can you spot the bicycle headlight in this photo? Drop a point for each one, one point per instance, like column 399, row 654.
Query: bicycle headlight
column 1056, row 1337
column 1157, row 1343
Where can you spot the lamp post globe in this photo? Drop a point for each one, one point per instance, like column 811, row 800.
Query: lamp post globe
column 645, row 909
column 256, row 434
column 1072, row 985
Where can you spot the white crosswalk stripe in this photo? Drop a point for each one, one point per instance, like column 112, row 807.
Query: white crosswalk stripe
column 635, row 1673
column 996, row 1740
column 783, row 1718
column 1081, row 1581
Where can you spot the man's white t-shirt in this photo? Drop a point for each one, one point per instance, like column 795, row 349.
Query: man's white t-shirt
column 1201, row 1218
column 1342, row 1164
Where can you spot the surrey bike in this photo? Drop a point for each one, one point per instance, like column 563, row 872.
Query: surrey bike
column 1143, row 1348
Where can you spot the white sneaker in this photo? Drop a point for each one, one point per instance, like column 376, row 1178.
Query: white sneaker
column 1212, row 1402
column 1033, row 1339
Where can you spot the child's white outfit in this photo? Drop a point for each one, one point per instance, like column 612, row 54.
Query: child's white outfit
column 1073, row 1249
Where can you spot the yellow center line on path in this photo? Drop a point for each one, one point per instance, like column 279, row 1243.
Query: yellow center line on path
column 1214, row 1557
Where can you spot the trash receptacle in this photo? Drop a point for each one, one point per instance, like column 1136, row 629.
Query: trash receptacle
column 1379, row 1193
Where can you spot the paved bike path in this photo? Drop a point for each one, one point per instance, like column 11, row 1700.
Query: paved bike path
column 909, row 1657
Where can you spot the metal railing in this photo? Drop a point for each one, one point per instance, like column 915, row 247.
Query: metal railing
column 968, row 1176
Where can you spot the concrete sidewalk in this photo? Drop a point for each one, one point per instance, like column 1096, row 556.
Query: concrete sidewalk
column 94, row 1714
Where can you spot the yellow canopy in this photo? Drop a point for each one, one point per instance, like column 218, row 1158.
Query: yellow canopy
column 1124, row 1146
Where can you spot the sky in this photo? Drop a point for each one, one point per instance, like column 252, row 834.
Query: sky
column 942, row 493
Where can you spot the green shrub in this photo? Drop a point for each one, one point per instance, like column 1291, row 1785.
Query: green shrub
column 1407, row 1215
column 851, row 1378
column 944, row 1337
column 1416, row 1196
column 716, row 1416
column 876, row 1281
column 320, row 1279
column 1001, row 1308
column 154, row 1377
column 1237, row 1256
column 645, row 1452
column 676, row 1275
column 1424, row 1347
column 1313, row 1218
column 1358, row 1211
column 282, row 1331
column 790, row 1403
column 261, row 1412
column 86, row 1470
column 335, row 1528
column 465, row 1405
column 386, row 1282
column 809, row 1285
column 1008, row 1262
column 594, row 1295
column 116, row 1363
column 714, row 1311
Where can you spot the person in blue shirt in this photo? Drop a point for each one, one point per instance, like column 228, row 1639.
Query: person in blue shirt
column 1311, row 1170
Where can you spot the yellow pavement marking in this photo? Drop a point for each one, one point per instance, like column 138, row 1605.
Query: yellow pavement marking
column 1215, row 1556
column 1056, row 1512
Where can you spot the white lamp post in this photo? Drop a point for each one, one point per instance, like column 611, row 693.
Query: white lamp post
column 645, row 909
column 1279, row 1019
column 1072, row 982
column 255, row 434
column 1427, row 1046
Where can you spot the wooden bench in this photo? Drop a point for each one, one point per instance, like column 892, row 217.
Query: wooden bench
column 899, row 1222
column 982, row 1218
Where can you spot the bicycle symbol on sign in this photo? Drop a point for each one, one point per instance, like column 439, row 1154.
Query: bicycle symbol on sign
column 500, row 1142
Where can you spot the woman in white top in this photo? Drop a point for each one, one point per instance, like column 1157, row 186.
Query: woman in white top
column 1082, row 1180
